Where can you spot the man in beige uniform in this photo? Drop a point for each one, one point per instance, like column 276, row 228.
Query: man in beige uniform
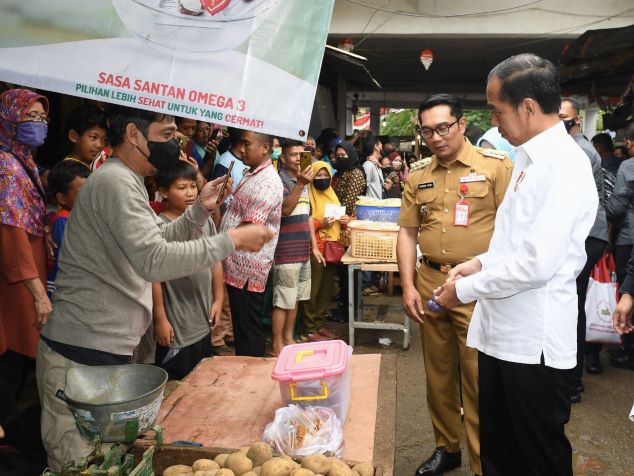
column 449, row 208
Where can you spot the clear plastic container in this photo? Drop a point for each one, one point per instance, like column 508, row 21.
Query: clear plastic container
column 315, row 374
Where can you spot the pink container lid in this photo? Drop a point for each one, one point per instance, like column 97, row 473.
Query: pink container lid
column 312, row 360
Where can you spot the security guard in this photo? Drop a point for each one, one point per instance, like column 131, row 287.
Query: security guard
column 449, row 207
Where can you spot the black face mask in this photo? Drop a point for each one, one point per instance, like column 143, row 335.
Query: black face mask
column 321, row 183
column 162, row 154
column 569, row 124
column 387, row 170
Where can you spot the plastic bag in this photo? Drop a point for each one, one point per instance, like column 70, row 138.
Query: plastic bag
column 601, row 302
column 302, row 431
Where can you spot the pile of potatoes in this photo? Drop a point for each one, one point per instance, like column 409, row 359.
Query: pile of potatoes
column 258, row 460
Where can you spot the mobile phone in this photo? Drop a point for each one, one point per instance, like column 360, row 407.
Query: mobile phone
column 305, row 160
column 214, row 134
column 224, row 184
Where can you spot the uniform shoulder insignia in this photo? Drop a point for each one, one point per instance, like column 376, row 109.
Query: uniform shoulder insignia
column 420, row 164
column 496, row 154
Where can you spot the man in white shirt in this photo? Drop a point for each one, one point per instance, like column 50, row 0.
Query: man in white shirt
column 525, row 320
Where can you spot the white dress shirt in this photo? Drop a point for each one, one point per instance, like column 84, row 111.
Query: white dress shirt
column 526, row 291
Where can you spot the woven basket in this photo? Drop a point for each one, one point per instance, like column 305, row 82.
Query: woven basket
column 378, row 243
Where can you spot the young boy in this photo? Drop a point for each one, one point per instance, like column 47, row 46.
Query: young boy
column 185, row 309
column 87, row 134
column 291, row 271
column 64, row 182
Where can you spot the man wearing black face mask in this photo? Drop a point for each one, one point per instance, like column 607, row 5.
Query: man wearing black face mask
column 595, row 246
column 113, row 248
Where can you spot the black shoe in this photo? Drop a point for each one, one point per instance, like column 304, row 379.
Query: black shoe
column 439, row 462
column 626, row 362
column 575, row 397
column 593, row 364
column 580, row 388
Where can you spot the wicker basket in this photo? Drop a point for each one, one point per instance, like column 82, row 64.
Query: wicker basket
column 372, row 241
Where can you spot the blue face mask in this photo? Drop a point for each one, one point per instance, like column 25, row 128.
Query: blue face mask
column 31, row 133
column 275, row 155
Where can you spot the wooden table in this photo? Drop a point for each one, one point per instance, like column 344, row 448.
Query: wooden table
column 226, row 402
column 355, row 297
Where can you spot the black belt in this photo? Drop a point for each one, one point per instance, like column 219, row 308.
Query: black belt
column 443, row 268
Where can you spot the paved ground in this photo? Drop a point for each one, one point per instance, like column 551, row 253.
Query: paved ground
column 600, row 431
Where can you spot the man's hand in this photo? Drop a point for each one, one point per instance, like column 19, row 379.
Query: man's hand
column 413, row 304
column 251, row 237
column 163, row 332
column 43, row 308
column 209, row 193
column 319, row 257
column 211, row 149
column 472, row 266
column 446, row 296
column 306, row 175
column 622, row 318
column 214, row 313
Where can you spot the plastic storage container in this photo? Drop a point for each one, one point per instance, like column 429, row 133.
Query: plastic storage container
column 381, row 214
column 315, row 374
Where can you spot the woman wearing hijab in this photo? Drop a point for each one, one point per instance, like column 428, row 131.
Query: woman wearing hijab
column 322, row 276
column 24, row 304
column 350, row 177
column 492, row 139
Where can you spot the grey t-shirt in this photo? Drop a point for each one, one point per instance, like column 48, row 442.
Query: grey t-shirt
column 188, row 300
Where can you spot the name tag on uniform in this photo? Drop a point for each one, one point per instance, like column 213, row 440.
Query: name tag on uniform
column 423, row 186
column 461, row 213
column 473, row 178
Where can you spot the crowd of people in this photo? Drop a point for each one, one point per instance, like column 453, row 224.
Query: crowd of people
column 167, row 240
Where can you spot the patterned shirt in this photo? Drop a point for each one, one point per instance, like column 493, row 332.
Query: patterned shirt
column 293, row 245
column 350, row 184
column 257, row 199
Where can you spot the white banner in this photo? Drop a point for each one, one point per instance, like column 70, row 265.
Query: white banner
column 252, row 64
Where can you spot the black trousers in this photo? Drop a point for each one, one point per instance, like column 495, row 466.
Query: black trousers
column 246, row 313
column 15, row 369
column 594, row 251
column 179, row 366
column 523, row 410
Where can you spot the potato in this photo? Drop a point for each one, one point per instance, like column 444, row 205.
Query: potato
column 238, row 463
column 225, row 472
column 364, row 469
column 206, row 472
column 340, row 469
column 316, row 463
column 277, row 467
column 204, row 464
column 250, row 473
column 257, row 470
column 178, row 469
column 302, row 472
column 221, row 459
column 259, row 453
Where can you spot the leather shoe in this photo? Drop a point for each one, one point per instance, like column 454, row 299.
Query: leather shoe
column 580, row 388
column 439, row 462
column 593, row 364
column 626, row 362
column 575, row 397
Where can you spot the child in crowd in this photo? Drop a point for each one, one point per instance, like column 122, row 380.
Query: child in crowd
column 87, row 134
column 64, row 182
column 184, row 309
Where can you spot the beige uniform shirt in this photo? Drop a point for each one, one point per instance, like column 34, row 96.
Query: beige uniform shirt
column 431, row 193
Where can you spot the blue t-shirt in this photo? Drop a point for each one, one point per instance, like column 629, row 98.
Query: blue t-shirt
column 59, row 221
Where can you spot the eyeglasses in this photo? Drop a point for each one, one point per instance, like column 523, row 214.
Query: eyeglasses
column 441, row 130
column 34, row 116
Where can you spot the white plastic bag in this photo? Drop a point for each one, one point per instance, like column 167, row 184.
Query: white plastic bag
column 601, row 302
column 302, row 431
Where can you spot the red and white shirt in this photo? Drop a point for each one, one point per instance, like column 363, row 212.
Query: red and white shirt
column 258, row 199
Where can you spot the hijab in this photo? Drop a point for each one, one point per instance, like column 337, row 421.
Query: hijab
column 21, row 205
column 318, row 201
column 493, row 137
column 353, row 157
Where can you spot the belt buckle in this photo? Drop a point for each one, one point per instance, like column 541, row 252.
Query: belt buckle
column 444, row 268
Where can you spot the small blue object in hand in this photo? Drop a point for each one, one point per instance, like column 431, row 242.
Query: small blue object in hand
column 433, row 305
